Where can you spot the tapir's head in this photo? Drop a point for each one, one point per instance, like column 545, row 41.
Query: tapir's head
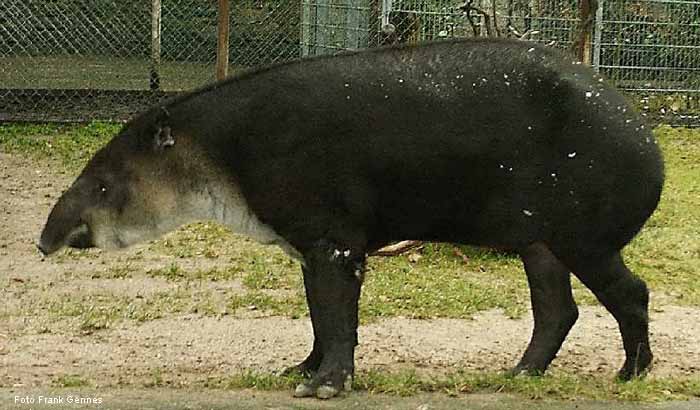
column 135, row 188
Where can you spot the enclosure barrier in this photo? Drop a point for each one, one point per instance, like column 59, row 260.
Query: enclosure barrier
column 68, row 60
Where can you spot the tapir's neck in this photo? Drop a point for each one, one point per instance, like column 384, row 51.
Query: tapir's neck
column 227, row 206
column 220, row 199
column 215, row 120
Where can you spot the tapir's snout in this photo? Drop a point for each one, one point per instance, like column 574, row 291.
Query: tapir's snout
column 65, row 227
column 44, row 251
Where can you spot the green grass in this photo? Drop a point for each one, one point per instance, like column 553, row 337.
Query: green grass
column 176, row 273
column 72, row 145
column 195, row 240
column 156, row 379
column 104, row 73
column 667, row 251
column 252, row 380
column 554, row 386
column 70, row 381
column 293, row 306
column 442, row 284
column 125, row 271
column 92, row 312
column 559, row 386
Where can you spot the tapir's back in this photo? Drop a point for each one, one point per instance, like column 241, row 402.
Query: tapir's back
column 491, row 142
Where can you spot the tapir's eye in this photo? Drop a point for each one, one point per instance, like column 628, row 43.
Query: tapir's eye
column 103, row 189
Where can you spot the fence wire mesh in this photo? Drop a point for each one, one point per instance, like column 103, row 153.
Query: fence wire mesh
column 103, row 59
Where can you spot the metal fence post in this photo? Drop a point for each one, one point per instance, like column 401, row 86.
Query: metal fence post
column 306, row 37
column 322, row 42
column 598, row 35
column 386, row 13
column 356, row 25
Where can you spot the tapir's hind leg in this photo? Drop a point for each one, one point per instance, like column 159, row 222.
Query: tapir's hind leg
column 553, row 307
column 627, row 298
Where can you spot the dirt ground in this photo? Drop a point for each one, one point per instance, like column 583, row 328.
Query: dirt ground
column 35, row 349
column 184, row 399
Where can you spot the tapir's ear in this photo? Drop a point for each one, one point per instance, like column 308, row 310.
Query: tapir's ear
column 163, row 134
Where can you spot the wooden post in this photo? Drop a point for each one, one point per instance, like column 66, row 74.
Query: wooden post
column 583, row 44
column 155, row 44
column 222, row 40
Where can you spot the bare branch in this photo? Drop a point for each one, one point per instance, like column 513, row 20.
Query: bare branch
column 397, row 248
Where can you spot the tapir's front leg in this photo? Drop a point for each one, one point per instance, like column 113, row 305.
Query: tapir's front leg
column 333, row 276
column 310, row 365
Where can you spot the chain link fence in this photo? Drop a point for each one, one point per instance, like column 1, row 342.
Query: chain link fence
column 68, row 60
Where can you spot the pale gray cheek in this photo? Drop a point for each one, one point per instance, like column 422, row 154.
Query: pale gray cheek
column 110, row 232
column 105, row 239
column 80, row 230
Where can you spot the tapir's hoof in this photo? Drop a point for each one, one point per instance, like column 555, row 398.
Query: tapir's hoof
column 637, row 371
column 303, row 390
column 323, row 391
column 326, row 392
column 525, row 370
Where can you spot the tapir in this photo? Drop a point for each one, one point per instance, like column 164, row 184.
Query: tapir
column 493, row 143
